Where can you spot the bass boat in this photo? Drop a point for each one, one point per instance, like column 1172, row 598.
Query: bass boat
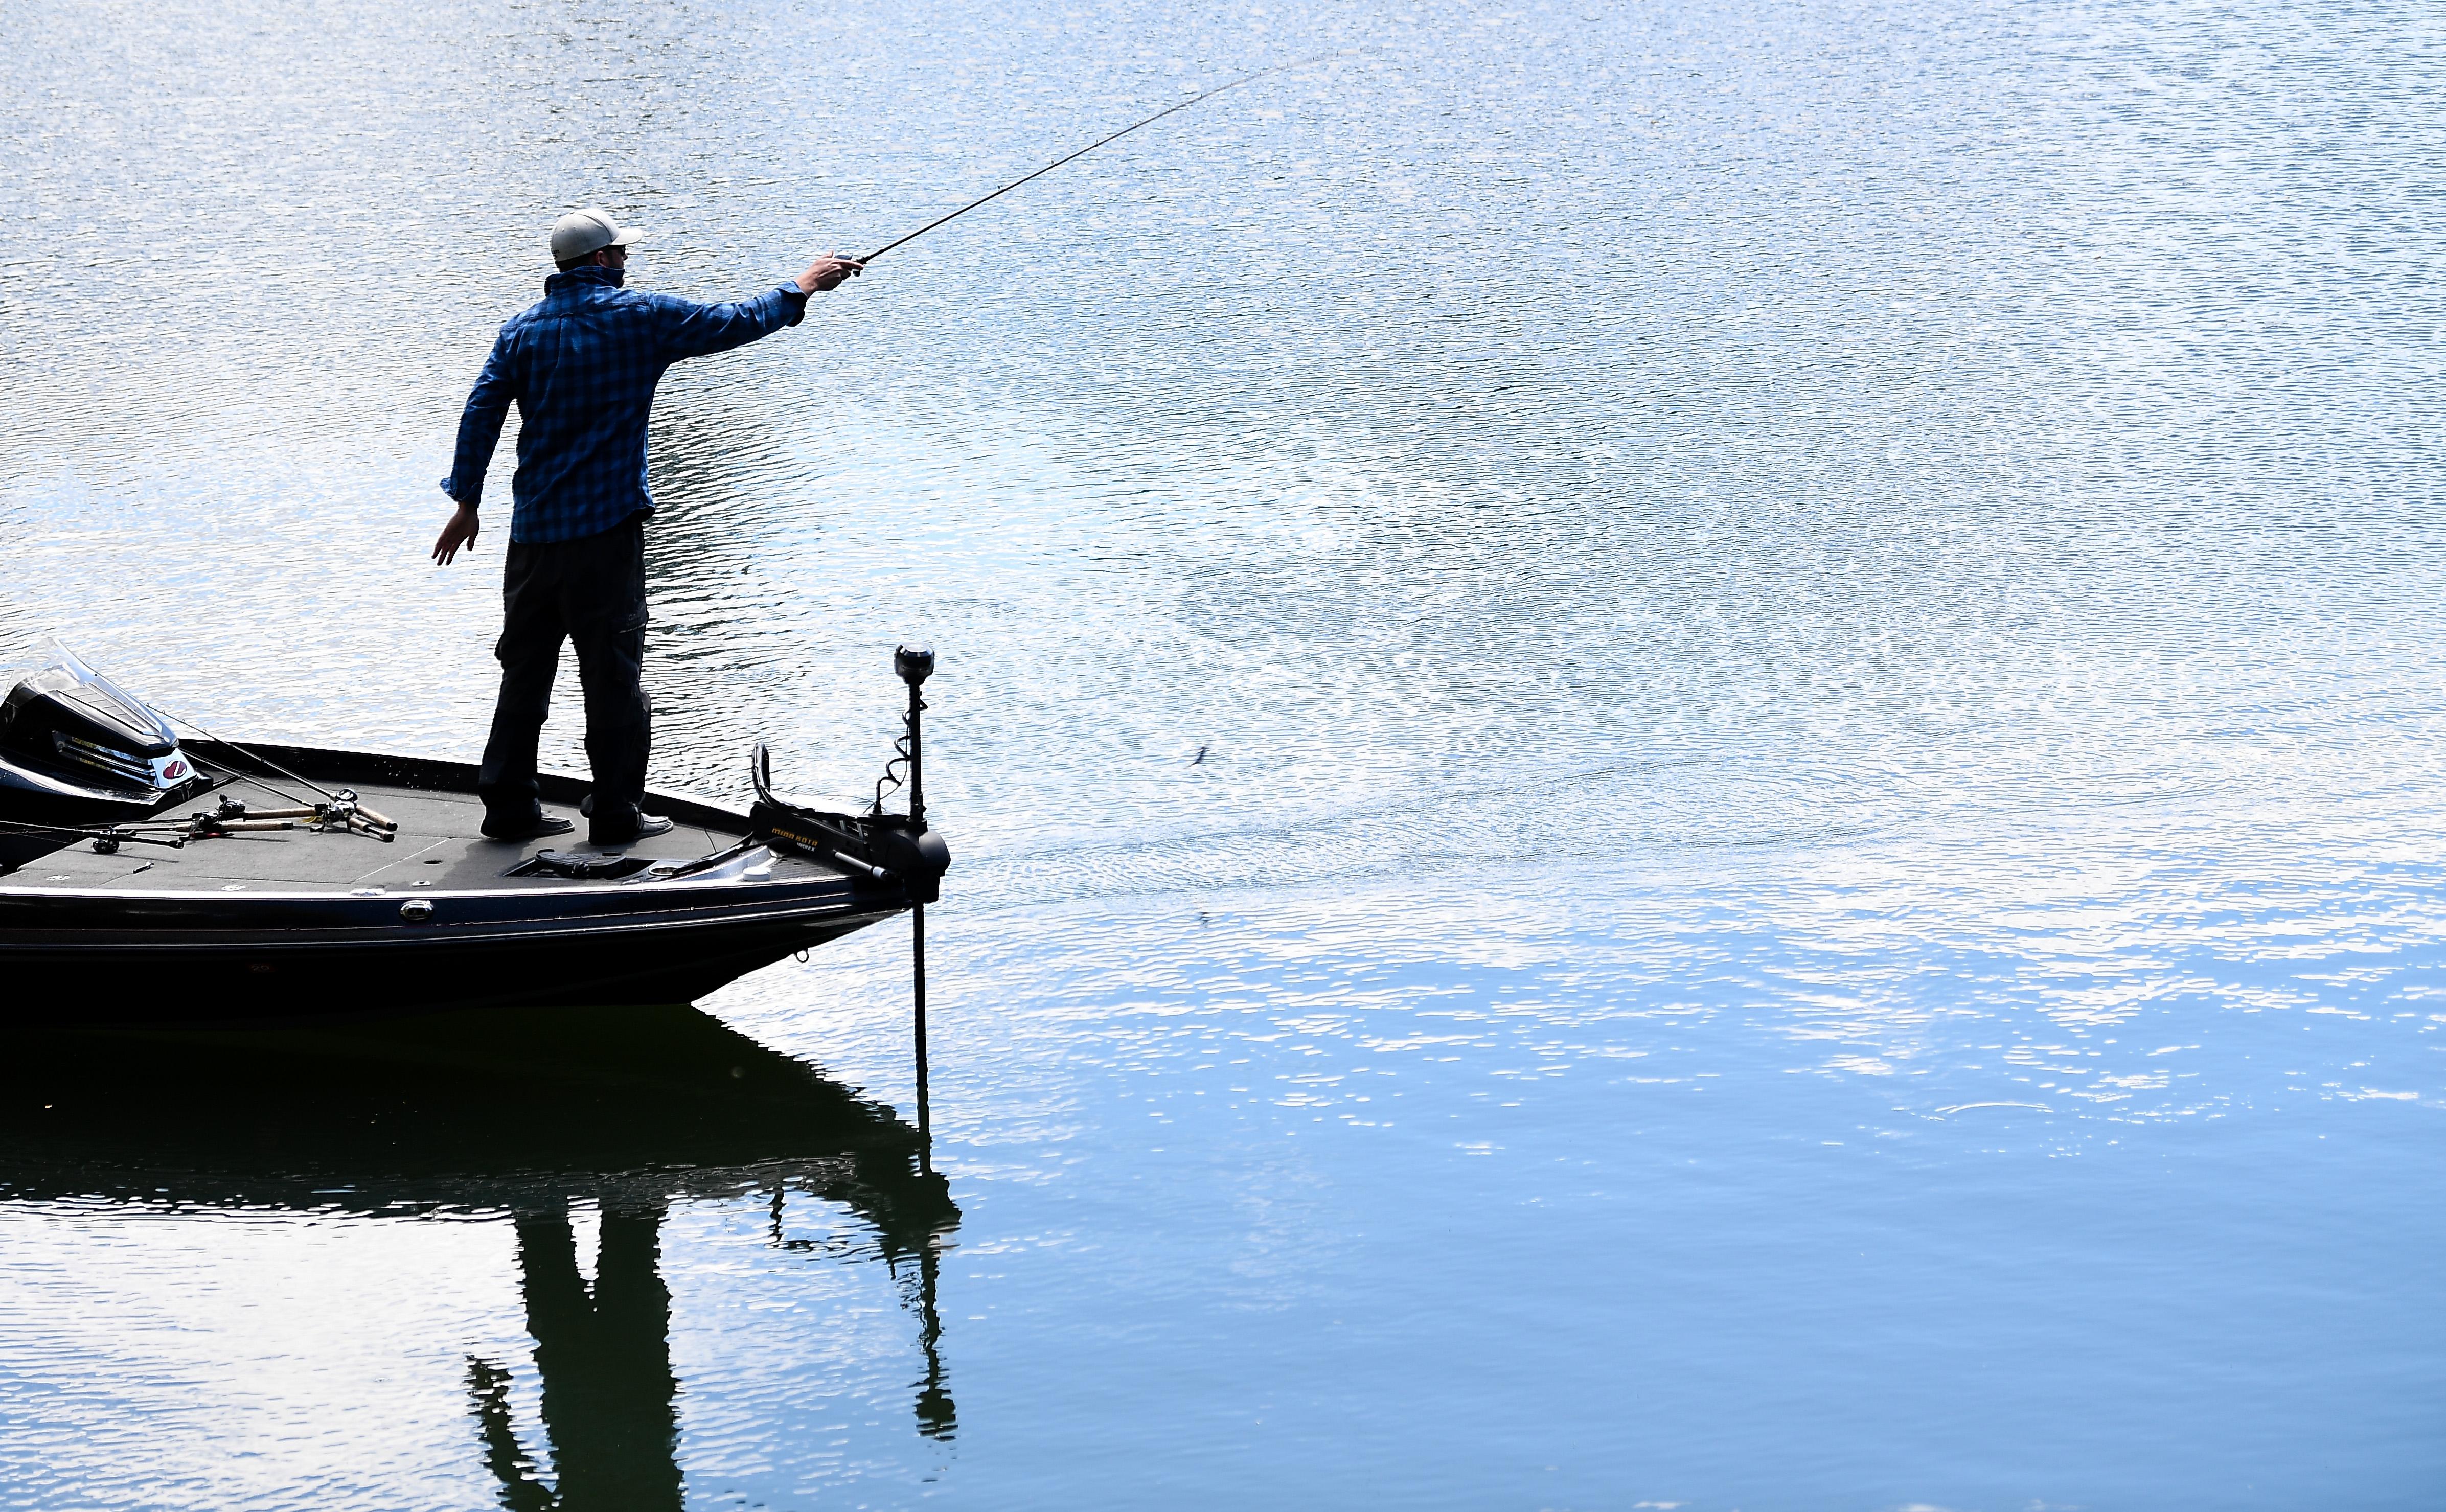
column 145, row 879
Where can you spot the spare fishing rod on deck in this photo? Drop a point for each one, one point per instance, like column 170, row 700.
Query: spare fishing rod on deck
column 860, row 262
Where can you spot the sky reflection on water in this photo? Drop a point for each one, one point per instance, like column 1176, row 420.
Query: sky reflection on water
column 1816, row 635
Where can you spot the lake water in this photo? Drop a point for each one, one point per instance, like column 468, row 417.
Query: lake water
column 1692, row 753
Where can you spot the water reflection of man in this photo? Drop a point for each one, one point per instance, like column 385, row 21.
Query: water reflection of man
column 606, row 1362
column 581, row 366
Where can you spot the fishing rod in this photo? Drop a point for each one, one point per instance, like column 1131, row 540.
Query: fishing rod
column 343, row 803
column 251, row 754
column 1093, row 145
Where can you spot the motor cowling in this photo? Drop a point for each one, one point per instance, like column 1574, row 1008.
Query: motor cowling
column 70, row 723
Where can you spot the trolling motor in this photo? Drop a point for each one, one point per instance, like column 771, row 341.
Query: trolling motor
column 885, row 847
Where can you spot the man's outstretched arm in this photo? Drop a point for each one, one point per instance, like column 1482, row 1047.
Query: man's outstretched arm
column 699, row 330
column 479, row 431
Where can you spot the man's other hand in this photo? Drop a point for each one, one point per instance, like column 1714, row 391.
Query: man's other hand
column 460, row 532
column 827, row 274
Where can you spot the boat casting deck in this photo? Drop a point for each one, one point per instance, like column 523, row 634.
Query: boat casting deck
column 438, row 848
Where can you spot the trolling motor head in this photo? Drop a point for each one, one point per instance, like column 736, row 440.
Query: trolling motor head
column 875, row 845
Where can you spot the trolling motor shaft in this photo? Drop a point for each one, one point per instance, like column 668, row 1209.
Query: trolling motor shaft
column 916, row 664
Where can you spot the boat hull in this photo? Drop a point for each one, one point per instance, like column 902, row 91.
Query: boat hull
column 242, row 973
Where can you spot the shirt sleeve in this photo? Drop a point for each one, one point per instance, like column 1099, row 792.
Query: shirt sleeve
column 480, row 426
column 691, row 330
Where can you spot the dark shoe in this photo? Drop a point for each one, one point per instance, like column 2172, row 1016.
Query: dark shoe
column 649, row 825
column 536, row 828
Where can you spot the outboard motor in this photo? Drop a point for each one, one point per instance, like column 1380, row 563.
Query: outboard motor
column 75, row 750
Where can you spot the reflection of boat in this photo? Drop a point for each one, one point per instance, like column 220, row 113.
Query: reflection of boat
column 519, row 1113
column 300, row 882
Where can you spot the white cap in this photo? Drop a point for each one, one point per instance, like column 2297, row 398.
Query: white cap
column 581, row 232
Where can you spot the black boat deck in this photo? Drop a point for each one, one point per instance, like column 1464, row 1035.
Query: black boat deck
column 438, row 849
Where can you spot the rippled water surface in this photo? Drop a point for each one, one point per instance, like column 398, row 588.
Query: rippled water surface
column 1692, row 751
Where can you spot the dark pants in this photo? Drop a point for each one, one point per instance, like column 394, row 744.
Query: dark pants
column 591, row 593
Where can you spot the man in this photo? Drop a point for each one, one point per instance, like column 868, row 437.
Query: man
column 582, row 367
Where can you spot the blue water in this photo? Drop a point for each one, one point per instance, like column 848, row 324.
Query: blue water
column 1816, row 631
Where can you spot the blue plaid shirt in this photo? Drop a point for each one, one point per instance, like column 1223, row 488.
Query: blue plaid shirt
column 582, row 365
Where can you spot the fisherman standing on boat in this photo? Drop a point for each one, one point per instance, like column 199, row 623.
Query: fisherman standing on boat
column 582, row 365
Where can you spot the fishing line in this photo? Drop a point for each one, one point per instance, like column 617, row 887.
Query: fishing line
column 1093, row 145
column 233, row 771
column 249, row 778
column 251, row 755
